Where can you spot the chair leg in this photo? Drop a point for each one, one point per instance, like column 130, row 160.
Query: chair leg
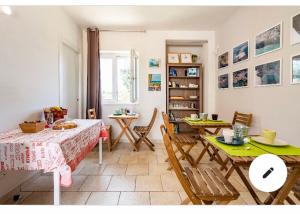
column 149, row 141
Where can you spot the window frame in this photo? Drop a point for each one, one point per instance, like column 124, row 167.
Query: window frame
column 114, row 55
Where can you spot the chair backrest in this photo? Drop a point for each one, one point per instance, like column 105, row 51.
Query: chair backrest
column 245, row 119
column 92, row 113
column 169, row 126
column 179, row 171
column 150, row 125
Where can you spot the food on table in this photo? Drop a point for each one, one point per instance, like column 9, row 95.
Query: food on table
column 64, row 125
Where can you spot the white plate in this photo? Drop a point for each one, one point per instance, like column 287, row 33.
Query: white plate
column 277, row 142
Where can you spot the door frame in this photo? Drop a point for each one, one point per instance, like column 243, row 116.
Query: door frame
column 79, row 80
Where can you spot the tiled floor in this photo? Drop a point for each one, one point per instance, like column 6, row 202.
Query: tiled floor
column 124, row 178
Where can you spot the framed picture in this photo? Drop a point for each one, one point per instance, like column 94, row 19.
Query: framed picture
column 192, row 72
column 173, row 58
column 295, row 29
column 240, row 78
column 223, row 81
column 154, row 82
column 268, row 74
column 186, row 58
column 295, row 71
column 154, row 63
column 240, row 52
column 269, row 40
column 223, row 60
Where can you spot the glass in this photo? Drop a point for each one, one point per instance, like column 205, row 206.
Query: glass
column 240, row 132
column 124, row 79
column 106, row 67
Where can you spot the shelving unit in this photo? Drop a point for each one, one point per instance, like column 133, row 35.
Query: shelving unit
column 184, row 94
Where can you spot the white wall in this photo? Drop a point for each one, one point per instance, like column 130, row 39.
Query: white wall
column 152, row 44
column 274, row 107
column 29, row 63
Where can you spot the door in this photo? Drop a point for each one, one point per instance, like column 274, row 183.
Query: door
column 69, row 84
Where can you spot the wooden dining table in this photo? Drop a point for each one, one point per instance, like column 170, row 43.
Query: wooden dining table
column 124, row 122
column 242, row 156
column 211, row 127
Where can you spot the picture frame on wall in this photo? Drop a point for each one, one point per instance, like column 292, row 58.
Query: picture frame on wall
column 173, row 58
column 268, row 74
column 295, row 69
column 295, row 29
column 154, row 82
column 240, row 78
column 240, row 52
column 223, row 60
column 223, row 81
column 186, row 58
column 154, row 63
column 269, row 40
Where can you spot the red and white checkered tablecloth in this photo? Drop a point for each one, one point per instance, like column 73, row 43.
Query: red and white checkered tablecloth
column 49, row 149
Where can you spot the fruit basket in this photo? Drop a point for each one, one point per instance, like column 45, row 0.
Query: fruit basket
column 32, row 126
column 55, row 112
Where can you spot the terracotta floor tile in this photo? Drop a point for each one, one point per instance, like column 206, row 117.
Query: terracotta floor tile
column 74, row 198
column 165, row 198
column 77, row 182
column 39, row 198
column 42, row 183
column 103, row 198
column 92, row 169
column 134, row 198
column 137, row 169
column 95, row 183
column 148, row 183
column 159, row 169
column 170, row 183
column 122, row 183
column 114, row 169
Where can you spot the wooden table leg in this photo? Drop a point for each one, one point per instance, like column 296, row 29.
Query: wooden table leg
column 218, row 158
column 205, row 149
column 117, row 140
column 125, row 124
column 249, row 187
column 286, row 188
column 229, row 172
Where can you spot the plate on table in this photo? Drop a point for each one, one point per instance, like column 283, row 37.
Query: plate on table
column 195, row 120
column 117, row 114
column 277, row 142
column 235, row 142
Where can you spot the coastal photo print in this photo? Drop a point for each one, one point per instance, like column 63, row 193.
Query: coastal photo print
column 295, row 69
column 268, row 41
column 223, row 60
column 154, row 82
column 240, row 78
column 223, row 81
column 295, row 29
column 240, row 52
column 268, row 74
column 153, row 63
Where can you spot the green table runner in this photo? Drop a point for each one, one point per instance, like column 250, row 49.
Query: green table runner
column 200, row 122
column 256, row 149
column 283, row 150
column 237, row 150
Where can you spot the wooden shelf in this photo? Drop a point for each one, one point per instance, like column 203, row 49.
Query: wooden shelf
column 184, row 64
column 183, row 99
column 184, row 77
column 178, row 88
column 183, row 109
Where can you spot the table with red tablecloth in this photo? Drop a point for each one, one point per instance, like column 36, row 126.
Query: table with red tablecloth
column 58, row 151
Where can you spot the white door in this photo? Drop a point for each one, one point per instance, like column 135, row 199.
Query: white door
column 69, row 81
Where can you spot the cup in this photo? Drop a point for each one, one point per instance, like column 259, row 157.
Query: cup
column 194, row 116
column 214, row 116
column 269, row 135
column 228, row 135
column 204, row 116
column 240, row 132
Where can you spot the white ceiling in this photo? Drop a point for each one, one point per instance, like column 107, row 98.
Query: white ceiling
column 151, row 17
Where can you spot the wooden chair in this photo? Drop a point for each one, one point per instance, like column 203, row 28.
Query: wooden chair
column 202, row 185
column 92, row 115
column 143, row 131
column 180, row 140
column 244, row 119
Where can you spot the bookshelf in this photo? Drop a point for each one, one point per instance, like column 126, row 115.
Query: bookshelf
column 184, row 94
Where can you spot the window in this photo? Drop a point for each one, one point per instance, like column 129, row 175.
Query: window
column 119, row 77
